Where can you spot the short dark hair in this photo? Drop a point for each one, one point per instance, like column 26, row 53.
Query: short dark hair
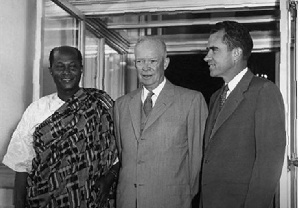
column 65, row 49
column 235, row 35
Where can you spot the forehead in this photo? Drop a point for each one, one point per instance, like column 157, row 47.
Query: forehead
column 216, row 39
column 149, row 49
column 65, row 56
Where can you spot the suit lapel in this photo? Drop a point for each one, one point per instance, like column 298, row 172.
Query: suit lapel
column 164, row 100
column 233, row 101
column 135, row 112
column 213, row 109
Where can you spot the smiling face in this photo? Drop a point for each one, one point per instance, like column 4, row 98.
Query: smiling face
column 150, row 62
column 220, row 59
column 66, row 71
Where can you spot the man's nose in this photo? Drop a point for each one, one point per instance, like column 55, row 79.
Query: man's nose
column 207, row 57
column 66, row 69
column 147, row 65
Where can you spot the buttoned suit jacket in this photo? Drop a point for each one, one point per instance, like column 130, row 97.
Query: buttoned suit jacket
column 160, row 165
column 244, row 147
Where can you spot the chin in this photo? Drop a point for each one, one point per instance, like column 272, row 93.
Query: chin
column 212, row 74
column 147, row 82
column 69, row 87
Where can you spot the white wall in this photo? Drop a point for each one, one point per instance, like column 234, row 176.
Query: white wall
column 17, row 35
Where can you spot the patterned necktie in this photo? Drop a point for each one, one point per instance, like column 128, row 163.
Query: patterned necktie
column 223, row 96
column 148, row 103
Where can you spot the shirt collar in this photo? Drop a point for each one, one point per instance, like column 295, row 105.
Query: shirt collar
column 233, row 83
column 56, row 102
column 156, row 91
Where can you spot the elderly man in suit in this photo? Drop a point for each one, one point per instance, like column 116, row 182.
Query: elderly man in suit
column 245, row 130
column 159, row 130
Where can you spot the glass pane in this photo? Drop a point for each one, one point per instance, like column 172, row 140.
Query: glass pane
column 114, row 73
column 91, row 64
column 60, row 28
column 104, row 67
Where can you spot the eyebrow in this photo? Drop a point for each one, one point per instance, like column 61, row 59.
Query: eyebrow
column 211, row 48
column 147, row 58
column 71, row 62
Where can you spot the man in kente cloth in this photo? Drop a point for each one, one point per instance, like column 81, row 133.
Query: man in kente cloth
column 63, row 149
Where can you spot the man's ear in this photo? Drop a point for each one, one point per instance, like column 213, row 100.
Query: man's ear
column 237, row 53
column 166, row 63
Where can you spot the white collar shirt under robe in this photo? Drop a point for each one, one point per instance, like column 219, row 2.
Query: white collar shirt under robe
column 20, row 152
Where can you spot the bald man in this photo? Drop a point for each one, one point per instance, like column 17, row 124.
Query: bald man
column 159, row 130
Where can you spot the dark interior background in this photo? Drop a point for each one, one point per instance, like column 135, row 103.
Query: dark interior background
column 191, row 71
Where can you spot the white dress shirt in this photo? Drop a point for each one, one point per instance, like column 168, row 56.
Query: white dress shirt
column 234, row 82
column 156, row 92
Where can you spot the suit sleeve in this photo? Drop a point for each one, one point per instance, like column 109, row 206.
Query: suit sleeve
column 270, row 147
column 117, row 130
column 196, row 124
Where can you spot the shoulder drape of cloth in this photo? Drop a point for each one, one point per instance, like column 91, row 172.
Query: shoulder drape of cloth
column 74, row 147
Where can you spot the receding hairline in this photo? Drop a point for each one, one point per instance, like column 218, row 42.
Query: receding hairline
column 66, row 50
column 63, row 50
column 158, row 43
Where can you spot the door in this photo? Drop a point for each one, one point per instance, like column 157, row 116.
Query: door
column 288, row 87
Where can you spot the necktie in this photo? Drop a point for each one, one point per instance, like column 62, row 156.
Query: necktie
column 223, row 96
column 222, row 100
column 148, row 103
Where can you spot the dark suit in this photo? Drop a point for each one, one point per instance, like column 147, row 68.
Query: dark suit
column 161, row 164
column 244, row 150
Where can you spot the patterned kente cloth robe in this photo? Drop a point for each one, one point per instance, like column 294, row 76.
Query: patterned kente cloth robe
column 74, row 147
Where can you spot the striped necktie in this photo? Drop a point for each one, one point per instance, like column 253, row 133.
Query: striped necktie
column 148, row 103
column 223, row 96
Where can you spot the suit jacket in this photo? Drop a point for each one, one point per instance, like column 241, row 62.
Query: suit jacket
column 244, row 150
column 160, row 165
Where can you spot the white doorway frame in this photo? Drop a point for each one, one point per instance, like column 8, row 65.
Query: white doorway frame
column 286, row 81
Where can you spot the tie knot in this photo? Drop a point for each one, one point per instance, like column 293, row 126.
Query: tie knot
column 150, row 94
column 226, row 88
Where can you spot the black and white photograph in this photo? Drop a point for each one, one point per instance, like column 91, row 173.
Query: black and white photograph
column 149, row 103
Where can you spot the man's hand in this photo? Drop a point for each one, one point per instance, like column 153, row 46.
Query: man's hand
column 105, row 183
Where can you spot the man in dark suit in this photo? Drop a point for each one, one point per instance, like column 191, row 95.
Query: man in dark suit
column 160, row 149
column 245, row 130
